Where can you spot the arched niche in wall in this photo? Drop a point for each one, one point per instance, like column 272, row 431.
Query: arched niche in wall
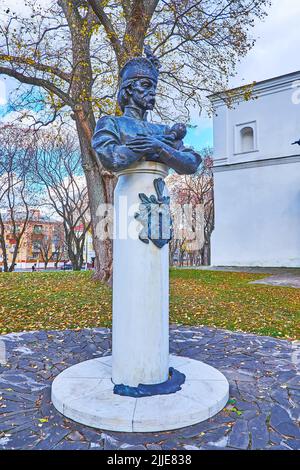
column 247, row 139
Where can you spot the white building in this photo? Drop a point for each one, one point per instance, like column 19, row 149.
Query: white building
column 257, row 177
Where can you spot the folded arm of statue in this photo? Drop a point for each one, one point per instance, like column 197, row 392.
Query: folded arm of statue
column 184, row 160
column 113, row 155
column 161, row 148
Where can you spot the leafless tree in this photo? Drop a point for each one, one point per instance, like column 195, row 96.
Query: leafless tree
column 16, row 196
column 196, row 190
column 60, row 247
column 45, row 250
column 72, row 52
column 58, row 170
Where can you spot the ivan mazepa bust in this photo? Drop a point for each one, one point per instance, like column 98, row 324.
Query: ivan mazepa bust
column 109, row 392
column 121, row 141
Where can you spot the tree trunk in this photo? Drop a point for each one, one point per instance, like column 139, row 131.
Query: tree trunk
column 15, row 254
column 5, row 264
column 74, row 257
column 4, row 255
column 75, row 249
column 100, row 185
column 3, row 246
column 206, row 257
column 137, row 26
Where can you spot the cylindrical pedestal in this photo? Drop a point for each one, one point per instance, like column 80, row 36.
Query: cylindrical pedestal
column 140, row 286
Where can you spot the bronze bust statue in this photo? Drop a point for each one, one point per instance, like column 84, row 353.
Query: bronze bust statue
column 121, row 141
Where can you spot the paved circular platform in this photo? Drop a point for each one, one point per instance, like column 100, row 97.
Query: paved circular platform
column 84, row 393
column 262, row 413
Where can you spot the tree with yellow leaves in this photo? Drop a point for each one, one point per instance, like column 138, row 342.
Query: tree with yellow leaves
column 72, row 52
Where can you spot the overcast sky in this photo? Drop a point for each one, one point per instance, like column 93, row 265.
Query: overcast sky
column 277, row 49
column 276, row 52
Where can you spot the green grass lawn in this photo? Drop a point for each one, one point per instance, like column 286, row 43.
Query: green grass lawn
column 58, row 300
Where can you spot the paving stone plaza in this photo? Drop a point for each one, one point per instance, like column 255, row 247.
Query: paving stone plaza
column 262, row 412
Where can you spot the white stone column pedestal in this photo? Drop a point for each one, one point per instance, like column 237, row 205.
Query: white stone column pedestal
column 140, row 334
column 85, row 392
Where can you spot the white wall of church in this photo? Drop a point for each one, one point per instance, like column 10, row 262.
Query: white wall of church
column 274, row 112
column 257, row 178
column 257, row 216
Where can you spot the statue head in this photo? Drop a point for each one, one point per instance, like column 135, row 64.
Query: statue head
column 138, row 82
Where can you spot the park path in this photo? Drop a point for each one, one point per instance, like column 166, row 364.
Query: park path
column 283, row 277
column 282, row 280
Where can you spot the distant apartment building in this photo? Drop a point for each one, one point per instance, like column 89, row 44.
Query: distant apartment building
column 42, row 235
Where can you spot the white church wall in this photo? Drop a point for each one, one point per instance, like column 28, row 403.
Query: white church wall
column 257, row 216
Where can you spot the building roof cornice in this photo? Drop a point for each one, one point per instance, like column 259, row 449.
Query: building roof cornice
column 264, row 87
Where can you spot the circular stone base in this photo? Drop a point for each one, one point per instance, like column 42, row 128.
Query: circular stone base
column 84, row 393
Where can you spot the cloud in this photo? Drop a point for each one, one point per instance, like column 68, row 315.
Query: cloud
column 200, row 137
column 276, row 51
column 24, row 118
column 18, row 6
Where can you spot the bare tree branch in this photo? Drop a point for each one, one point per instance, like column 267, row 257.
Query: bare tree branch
column 37, row 82
column 112, row 34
